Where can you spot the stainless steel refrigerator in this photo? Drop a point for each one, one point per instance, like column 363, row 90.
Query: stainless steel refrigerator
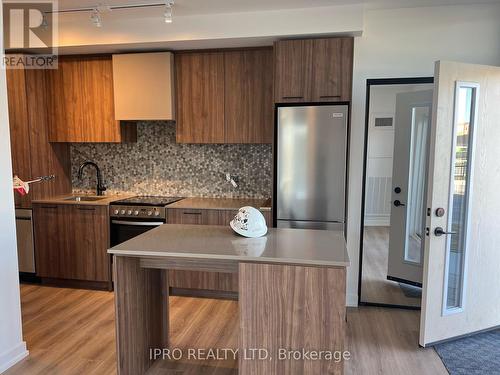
column 310, row 166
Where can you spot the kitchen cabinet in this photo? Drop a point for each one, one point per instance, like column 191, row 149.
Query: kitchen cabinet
column 199, row 81
column 32, row 154
column 248, row 96
column 190, row 216
column 81, row 102
column 199, row 280
column 71, row 242
column 313, row 70
column 224, row 96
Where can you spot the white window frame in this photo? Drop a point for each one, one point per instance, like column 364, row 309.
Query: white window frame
column 469, row 181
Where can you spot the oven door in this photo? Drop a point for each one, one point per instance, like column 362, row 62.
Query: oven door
column 124, row 229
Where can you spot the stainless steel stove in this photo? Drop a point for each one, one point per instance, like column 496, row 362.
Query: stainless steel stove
column 133, row 216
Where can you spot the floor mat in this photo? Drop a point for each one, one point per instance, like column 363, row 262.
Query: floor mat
column 411, row 291
column 474, row 355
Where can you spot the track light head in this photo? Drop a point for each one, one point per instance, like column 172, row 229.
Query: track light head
column 168, row 11
column 95, row 17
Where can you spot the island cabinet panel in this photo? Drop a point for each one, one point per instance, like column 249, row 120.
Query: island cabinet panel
column 199, row 81
column 71, row 242
column 313, row 70
column 80, row 104
column 248, row 97
column 141, row 308
column 295, row 308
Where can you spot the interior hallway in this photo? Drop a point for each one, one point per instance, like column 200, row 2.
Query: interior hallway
column 375, row 286
column 72, row 331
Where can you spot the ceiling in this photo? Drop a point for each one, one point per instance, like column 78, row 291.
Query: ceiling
column 198, row 7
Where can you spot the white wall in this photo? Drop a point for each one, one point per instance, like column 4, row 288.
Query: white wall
column 122, row 29
column 12, row 346
column 405, row 43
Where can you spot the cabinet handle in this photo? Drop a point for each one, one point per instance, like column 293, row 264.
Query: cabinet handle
column 192, row 213
column 293, row 97
column 329, row 96
column 86, row 208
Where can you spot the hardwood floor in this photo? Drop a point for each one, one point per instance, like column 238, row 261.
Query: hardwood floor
column 72, row 331
column 374, row 285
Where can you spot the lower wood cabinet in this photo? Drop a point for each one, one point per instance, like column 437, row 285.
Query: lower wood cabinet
column 71, row 242
column 212, row 281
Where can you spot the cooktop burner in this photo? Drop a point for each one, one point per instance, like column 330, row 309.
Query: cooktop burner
column 147, row 201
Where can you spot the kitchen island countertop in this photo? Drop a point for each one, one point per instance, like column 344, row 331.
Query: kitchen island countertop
column 280, row 245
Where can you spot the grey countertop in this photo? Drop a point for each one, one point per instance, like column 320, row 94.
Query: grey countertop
column 222, row 203
column 280, row 245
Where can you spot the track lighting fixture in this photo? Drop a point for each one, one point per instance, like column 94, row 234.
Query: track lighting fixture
column 95, row 17
column 168, row 11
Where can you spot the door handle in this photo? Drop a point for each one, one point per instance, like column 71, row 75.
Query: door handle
column 398, row 203
column 440, row 231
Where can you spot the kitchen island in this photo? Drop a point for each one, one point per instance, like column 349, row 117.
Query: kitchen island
column 291, row 294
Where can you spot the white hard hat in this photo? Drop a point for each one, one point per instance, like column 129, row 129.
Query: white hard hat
column 249, row 222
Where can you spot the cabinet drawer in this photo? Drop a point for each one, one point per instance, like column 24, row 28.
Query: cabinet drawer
column 192, row 216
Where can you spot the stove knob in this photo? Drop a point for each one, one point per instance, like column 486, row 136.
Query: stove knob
column 157, row 213
column 136, row 212
column 150, row 213
column 116, row 212
column 129, row 212
column 122, row 212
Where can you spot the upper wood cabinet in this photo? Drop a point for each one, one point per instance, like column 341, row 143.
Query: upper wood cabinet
column 80, row 102
column 224, row 97
column 313, row 70
column 32, row 154
column 248, row 99
column 200, row 97
column 144, row 86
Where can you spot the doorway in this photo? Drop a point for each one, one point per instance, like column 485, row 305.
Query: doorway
column 398, row 114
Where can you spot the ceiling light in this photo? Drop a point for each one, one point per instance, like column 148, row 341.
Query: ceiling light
column 168, row 11
column 95, row 17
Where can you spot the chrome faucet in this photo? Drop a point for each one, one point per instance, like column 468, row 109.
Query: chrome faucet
column 100, row 186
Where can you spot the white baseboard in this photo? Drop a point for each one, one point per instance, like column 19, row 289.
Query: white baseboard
column 12, row 356
column 352, row 300
column 377, row 220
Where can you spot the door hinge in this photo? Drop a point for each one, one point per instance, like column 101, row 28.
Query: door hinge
column 427, row 231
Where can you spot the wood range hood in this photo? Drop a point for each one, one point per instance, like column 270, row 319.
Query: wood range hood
column 144, row 86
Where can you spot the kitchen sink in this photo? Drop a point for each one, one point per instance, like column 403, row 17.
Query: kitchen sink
column 84, row 199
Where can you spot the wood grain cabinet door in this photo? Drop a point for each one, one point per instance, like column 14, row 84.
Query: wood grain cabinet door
column 248, row 97
column 199, row 81
column 332, row 69
column 19, row 130
column 80, row 103
column 292, row 71
column 89, row 237
column 50, row 228
column 71, row 242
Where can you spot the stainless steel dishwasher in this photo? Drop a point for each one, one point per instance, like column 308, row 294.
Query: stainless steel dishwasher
column 25, row 245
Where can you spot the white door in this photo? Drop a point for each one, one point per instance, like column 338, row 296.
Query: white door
column 411, row 135
column 461, row 284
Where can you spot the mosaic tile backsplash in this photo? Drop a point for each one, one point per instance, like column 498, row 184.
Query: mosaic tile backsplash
column 156, row 165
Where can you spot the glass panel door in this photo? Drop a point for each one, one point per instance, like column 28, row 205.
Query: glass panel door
column 416, row 184
column 460, row 188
